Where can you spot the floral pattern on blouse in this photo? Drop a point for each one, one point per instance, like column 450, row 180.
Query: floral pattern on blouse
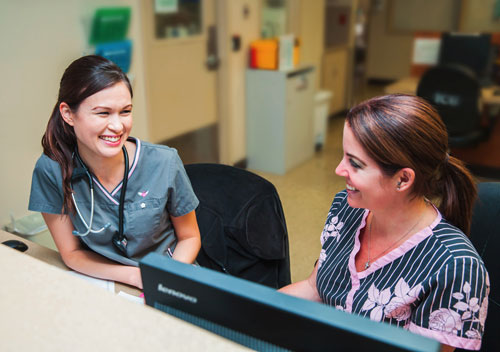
column 332, row 229
column 467, row 309
column 394, row 305
column 427, row 276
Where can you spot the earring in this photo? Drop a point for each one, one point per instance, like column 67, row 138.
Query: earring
column 398, row 187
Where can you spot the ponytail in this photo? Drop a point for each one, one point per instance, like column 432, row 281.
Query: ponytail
column 59, row 142
column 458, row 193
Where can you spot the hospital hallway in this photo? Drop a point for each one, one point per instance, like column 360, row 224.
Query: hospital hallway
column 307, row 191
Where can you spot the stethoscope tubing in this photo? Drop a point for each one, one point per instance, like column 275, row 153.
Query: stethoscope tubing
column 89, row 227
column 91, row 185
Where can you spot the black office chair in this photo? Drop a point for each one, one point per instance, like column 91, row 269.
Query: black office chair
column 454, row 91
column 485, row 235
column 242, row 225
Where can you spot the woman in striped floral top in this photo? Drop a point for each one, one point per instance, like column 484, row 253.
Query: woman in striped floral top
column 388, row 252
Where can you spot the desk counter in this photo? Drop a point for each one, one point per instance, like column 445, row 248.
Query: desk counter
column 44, row 309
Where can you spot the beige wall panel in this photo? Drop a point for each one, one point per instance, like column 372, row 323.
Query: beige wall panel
column 335, row 70
column 181, row 91
column 419, row 15
column 179, row 99
column 478, row 16
column 388, row 53
column 312, row 21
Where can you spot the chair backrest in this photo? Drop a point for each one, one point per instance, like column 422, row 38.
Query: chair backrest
column 454, row 91
column 485, row 235
column 242, row 225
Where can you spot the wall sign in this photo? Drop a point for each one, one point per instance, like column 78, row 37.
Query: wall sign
column 166, row 6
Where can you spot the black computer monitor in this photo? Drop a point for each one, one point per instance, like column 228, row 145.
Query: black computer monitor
column 261, row 318
column 471, row 50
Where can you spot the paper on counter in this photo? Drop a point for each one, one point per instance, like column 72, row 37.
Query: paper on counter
column 130, row 297
column 107, row 285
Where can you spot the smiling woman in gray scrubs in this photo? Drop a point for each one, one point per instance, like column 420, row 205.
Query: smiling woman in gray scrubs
column 87, row 144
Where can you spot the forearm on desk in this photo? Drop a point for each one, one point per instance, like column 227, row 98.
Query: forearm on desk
column 93, row 264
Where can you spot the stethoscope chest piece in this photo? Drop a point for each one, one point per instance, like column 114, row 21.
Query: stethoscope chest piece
column 120, row 242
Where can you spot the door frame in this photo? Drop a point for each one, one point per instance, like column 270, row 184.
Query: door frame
column 221, row 75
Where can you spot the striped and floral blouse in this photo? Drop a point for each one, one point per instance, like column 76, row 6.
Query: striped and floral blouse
column 434, row 284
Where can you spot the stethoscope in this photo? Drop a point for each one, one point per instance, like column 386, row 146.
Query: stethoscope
column 119, row 239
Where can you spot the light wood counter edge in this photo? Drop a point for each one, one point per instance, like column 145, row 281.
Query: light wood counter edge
column 44, row 309
column 53, row 258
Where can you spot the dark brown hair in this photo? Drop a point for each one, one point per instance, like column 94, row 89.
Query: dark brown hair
column 399, row 131
column 82, row 78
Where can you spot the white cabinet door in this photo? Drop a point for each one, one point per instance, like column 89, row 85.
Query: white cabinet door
column 299, row 118
column 279, row 112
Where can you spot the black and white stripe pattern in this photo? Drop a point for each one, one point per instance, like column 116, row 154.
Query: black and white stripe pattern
column 434, row 284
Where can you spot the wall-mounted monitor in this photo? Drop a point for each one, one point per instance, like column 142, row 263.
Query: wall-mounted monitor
column 261, row 318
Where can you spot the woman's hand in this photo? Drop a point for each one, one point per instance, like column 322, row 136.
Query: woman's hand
column 135, row 277
column 304, row 289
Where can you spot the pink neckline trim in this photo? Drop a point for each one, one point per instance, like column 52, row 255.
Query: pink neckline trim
column 403, row 248
column 384, row 260
column 131, row 171
column 352, row 265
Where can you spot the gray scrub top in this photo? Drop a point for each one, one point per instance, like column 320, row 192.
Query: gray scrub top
column 158, row 186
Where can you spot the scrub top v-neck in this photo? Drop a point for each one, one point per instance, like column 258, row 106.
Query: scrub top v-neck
column 157, row 188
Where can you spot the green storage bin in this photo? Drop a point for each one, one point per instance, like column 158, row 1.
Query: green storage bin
column 110, row 25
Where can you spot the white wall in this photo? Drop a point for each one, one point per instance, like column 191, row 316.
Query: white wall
column 39, row 39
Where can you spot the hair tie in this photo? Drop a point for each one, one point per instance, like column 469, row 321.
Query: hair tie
column 446, row 158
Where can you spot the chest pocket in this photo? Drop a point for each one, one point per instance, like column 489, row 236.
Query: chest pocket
column 144, row 216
